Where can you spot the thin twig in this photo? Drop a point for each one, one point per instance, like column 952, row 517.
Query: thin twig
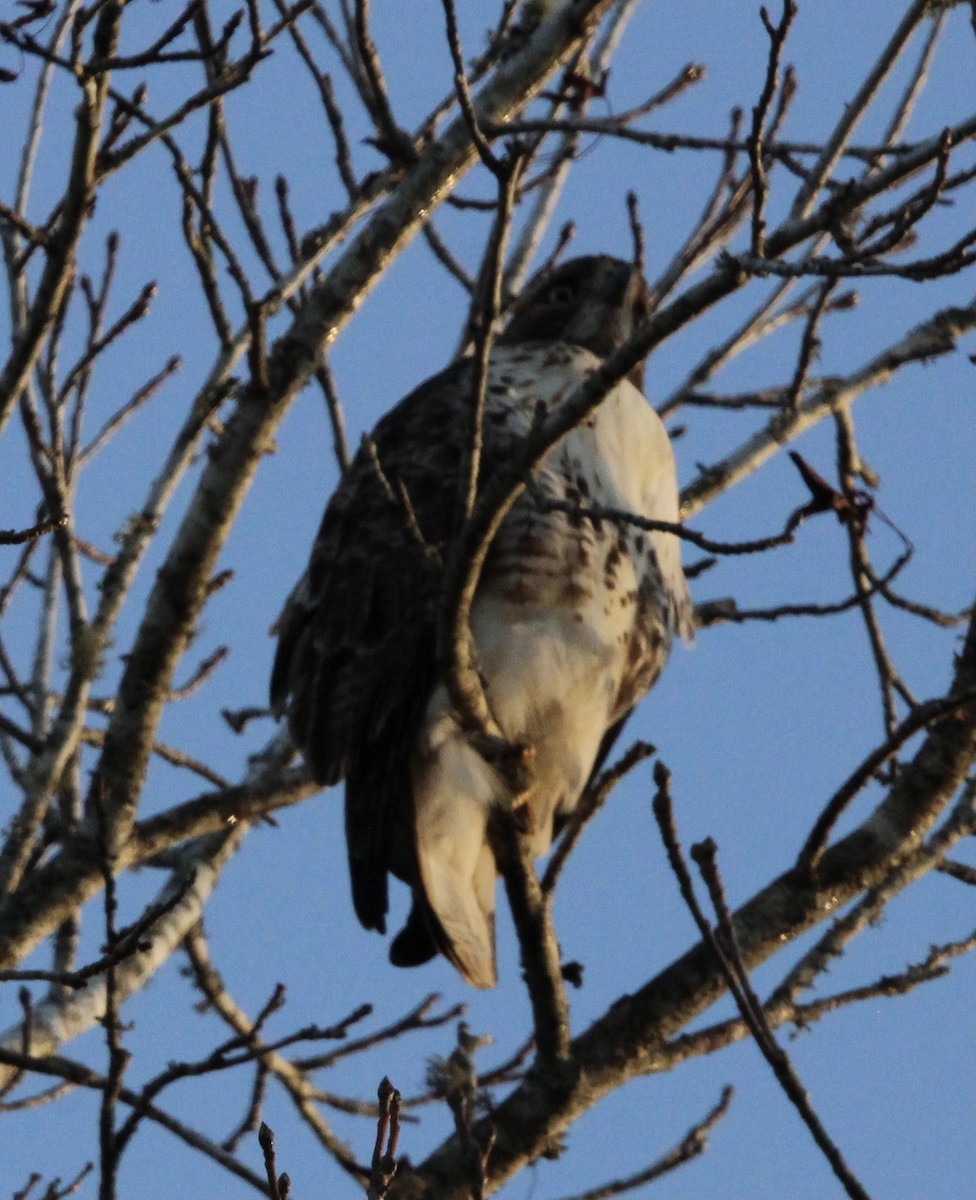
column 589, row 804
column 809, row 344
column 390, row 139
column 921, row 717
column 855, row 110
column 333, row 404
column 384, row 1162
column 485, row 152
column 867, row 910
column 293, row 1079
column 777, row 38
column 693, row 1144
column 636, row 230
column 266, row 1139
column 729, row 958
column 16, row 537
column 860, row 566
column 455, row 644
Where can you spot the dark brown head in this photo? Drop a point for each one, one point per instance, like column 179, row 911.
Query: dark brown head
column 596, row 302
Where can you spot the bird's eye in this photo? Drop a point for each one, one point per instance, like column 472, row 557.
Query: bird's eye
column 562, row 293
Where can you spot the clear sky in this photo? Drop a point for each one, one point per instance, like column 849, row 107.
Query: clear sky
column 759, row 724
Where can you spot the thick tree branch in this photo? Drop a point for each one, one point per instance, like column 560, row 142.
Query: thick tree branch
column 625, row 1041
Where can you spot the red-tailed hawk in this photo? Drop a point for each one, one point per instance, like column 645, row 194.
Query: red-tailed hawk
column 572, row 621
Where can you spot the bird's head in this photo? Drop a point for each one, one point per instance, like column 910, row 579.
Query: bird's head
column 595, row 301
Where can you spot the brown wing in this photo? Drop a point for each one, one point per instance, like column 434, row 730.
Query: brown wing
column 356, row 660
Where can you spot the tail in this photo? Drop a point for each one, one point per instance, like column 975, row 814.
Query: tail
column 462, row 914
column 453, row 792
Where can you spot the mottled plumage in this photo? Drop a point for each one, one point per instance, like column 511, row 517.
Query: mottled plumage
column 572, row 621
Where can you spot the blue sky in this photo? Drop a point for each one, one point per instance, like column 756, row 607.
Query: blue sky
column 759, row 724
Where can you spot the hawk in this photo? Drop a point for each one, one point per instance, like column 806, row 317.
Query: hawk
column 572, row 620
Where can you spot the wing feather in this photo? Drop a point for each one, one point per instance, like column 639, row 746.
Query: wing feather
column 356, row 658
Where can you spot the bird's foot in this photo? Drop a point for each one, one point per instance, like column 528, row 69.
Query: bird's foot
column 513, row 761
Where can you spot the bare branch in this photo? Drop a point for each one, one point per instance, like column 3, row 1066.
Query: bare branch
column 729, row 958
column 17, row 537
column 694, row 1143
column 276, row 295
column 777, row 39
column 384, row 1164
column 593, row 799
column 855, row 109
